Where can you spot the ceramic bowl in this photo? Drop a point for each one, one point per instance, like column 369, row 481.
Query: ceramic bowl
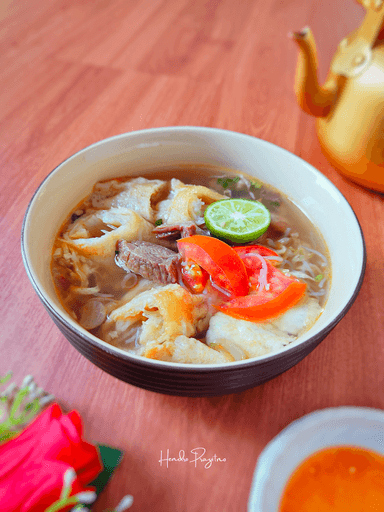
column 359, row 427
column 155, row 149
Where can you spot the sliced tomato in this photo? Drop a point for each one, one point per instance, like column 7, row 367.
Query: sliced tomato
column 256, row 308
column 194, row 277
column 280, row 293
column 251, row 263
column 222, row 263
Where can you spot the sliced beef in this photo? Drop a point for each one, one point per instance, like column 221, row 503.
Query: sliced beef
column 175, row 231
column 150, row 261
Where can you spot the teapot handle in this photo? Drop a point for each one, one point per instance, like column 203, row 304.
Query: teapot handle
column 373, row 21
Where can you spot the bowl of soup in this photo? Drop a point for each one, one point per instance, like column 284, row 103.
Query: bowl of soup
column 192, row 261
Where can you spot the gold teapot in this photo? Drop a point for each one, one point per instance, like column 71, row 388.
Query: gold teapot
column 350, row 105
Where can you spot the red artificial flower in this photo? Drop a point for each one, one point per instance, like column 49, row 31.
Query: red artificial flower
column 33, row 464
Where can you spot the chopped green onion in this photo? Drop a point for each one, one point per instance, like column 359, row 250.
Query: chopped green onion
column 159, row 222
column 227, row 182
column 275, row 203
column 319, row 277
column 223, row 182
column 256, row 185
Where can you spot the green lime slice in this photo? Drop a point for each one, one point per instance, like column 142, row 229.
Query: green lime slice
column 238, row 220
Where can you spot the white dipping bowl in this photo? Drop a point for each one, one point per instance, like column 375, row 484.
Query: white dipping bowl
column 136, row 153
column 359, row 427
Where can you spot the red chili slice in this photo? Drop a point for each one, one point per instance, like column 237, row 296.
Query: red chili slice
column 194, row 277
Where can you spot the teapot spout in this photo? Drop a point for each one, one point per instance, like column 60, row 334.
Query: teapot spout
column 314, row 99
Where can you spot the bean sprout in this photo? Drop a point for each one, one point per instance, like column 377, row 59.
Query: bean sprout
column 323, row 258
column 263, row 276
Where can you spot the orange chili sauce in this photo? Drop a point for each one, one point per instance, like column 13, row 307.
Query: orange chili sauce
column 337, row 479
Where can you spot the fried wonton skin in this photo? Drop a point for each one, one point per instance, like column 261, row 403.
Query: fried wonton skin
column 94, row 235
column 253, row 339
column 185, row 350
column 186, row 203
column 157, row 315
column 249, row 339
column 139, row 194
column 300, row 318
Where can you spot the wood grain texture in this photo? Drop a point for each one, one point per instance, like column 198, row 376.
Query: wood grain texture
column 73, row 73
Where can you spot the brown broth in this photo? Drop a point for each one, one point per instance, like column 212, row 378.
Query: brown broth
column 285, row 214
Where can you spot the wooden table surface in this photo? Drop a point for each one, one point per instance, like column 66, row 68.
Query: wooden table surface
column 74, row 72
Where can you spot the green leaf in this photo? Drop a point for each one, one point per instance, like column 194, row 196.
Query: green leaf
column 6, row 436
column 110, row 458
column 20, row 413
column 5, row 379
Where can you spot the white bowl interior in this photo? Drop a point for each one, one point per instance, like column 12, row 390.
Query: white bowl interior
column 137, row 152
column 341, row 426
